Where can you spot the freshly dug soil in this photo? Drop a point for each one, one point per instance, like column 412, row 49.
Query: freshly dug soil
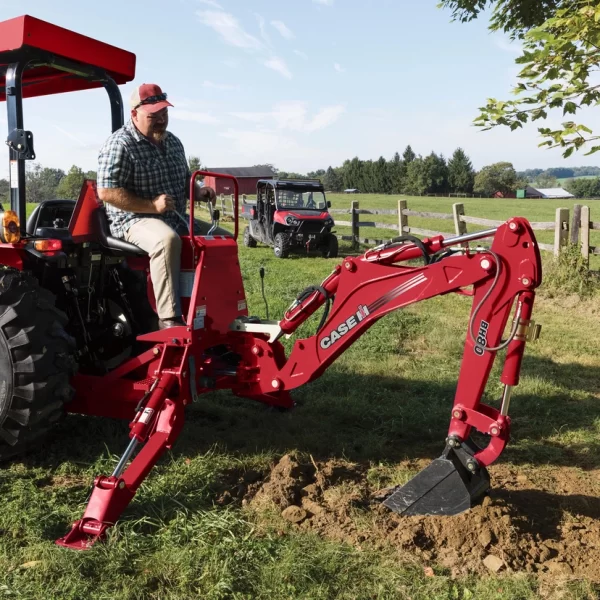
column 545, row 521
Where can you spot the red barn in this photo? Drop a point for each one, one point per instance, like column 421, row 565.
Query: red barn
column 247, row 178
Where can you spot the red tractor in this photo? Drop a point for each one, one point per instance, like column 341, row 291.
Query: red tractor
column 70, row 341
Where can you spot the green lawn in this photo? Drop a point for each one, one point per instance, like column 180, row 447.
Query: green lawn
column 564, row 180
column 382, row 406
column 488, row 208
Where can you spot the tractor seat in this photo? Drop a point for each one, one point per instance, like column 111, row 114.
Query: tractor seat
column 113, row 243
column 46, row 215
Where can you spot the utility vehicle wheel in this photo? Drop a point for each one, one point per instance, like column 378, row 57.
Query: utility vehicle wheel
column 282, row 245
column 36, row 362
column 330, row 250
column 249, row 241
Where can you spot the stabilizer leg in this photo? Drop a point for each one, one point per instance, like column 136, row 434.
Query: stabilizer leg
column 111, row 495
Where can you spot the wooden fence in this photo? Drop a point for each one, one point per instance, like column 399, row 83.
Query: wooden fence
column 574, row 231
column 566, row 230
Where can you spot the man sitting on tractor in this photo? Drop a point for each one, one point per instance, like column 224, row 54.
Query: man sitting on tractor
column 143, row 179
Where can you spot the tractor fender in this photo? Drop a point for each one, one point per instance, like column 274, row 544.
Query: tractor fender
column 11, row 255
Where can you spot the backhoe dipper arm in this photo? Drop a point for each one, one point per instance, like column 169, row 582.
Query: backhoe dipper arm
column 369, row 287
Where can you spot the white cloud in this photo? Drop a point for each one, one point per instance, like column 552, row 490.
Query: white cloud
column 283, row 30
column 338, row 68
column 259, row 144
column 269, row 147
column 250, row 116
column 293, row 116
column 325, row 117
column 325, row 2
column 88, row 145
column 219, row 86
column 301, row 54
column 193, row 116
column 228, row 27
column 263, row 29
column 212, row 3
column 278, row 64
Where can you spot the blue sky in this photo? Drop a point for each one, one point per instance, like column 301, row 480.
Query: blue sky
column 301, row 84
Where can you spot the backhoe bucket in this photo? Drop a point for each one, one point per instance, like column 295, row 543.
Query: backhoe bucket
column 445, row 487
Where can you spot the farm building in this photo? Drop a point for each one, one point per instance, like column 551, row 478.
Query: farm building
column 505, row 195
column 247, row 178
column 548, row 193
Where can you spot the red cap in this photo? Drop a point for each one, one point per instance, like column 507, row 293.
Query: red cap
column 149, row 97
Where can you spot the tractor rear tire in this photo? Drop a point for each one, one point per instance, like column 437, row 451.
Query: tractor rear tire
column 282, row 245
column 330, row 249
column 249, row 241
column 36, row 362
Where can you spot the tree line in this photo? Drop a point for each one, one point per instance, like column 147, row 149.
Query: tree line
column 408, row 173
column 45, row 183
column 417, row 175
column 560, row 172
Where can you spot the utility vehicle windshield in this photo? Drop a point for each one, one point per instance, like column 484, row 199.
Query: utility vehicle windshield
column 312, row 200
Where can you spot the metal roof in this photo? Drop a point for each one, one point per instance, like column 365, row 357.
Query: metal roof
column 244, row 171
column 551, row 192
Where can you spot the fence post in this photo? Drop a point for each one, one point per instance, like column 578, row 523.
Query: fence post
column 575, row 222
column 458, row 210
column 561, row 229
column 223, row 204
column 232, row 204
column 402, row 218
column 354, row 209
column 585, row 234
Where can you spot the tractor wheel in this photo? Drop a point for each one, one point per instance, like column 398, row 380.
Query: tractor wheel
column 330, row 250
column 282, row 245
column 36, row 362
column 249, row 241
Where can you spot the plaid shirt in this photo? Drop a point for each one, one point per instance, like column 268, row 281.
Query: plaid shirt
column 129, row 160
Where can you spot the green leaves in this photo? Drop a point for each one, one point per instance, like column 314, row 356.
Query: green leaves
column 561, row 46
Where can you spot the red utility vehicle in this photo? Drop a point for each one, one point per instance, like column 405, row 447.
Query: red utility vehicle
column 290, row 214
column 70, row 341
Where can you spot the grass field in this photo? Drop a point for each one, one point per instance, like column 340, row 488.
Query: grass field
column 489, row 208
column 383, row 406
column 564, row 180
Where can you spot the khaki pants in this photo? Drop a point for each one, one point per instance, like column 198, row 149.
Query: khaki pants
column 163, row 245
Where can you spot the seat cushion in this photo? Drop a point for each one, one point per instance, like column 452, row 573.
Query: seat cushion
column 120, row 245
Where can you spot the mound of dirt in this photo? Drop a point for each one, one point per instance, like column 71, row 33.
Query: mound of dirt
column 548, row 528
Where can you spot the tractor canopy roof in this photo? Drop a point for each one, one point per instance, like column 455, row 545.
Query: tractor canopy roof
column 298, row 185
column 32, row 40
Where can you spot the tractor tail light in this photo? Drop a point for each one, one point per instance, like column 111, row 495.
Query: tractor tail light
column 47, row 245
column 11, row 228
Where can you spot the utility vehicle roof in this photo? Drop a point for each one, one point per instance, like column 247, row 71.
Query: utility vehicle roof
column 291, row 184
column 27, row 37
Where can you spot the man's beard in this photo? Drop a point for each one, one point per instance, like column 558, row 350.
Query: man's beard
column 158, row 135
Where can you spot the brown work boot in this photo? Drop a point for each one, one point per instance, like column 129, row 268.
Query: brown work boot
column 167, row 323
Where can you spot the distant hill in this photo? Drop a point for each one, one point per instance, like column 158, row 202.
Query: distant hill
column 560, row 172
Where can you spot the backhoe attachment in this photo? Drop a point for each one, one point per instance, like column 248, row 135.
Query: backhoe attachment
column 499, row 279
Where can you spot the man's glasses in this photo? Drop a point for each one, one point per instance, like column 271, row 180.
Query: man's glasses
column 152, row 100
